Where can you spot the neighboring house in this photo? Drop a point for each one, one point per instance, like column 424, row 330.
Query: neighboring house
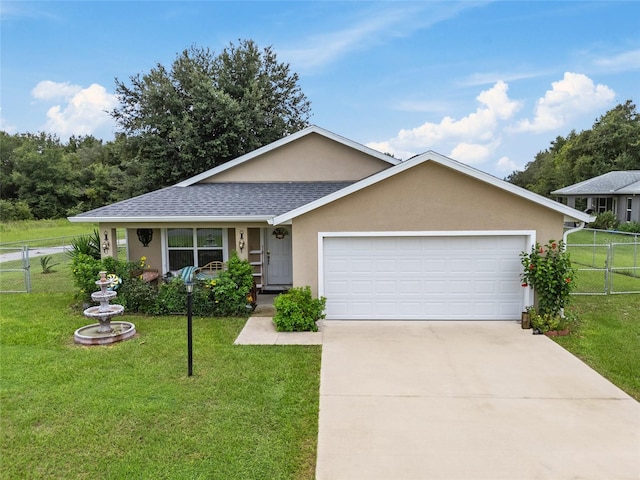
column 426, row 238
column 618, row 192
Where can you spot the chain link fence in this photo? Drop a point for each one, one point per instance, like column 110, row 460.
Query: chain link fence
column 608, row 266
column 42, row 265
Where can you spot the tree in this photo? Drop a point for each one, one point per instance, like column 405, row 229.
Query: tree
column 44, row 176
column 206, row 110
column 613, row 143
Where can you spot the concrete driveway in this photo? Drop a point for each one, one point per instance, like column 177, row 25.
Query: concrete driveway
column 467, row 400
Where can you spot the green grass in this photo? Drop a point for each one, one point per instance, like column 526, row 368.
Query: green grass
column 130, row 410
column 601, row 237
column 60, row 280
column 30, row 230
column 607, row 337
column 623, row 257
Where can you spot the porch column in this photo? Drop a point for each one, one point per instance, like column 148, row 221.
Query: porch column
column 108, row 242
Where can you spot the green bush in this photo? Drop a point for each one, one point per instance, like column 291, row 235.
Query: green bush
column 629, row 227
column 547, row 322
column 86, row 245
column 231, row 289
column 47, row 266
column 297, row 311
column 11, row 211
column 136, row 296
column 171, row 299
column 85, row 270
column 605, row 221
column 548, row 270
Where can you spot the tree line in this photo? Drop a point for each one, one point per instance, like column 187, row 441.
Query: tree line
column 612, row 143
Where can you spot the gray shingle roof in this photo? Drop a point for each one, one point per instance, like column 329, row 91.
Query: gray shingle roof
column 218, row 200
column 612, row 183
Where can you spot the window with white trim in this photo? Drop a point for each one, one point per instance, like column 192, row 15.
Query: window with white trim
column 194, row 246
column 629, row 209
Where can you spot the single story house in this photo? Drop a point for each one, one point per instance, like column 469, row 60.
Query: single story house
column 380, row 238
column 617, row 192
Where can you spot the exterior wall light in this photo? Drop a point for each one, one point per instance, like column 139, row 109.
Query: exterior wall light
column 145, row 235
column 105, row 244
column 241, row 242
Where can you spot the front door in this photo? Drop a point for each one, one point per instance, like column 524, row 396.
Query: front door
column 278, row 260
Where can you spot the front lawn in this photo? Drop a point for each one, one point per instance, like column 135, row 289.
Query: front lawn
column 130, row 410
column 36, row 232
column 607, row 337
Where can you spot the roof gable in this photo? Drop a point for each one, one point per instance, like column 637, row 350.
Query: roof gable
column 568, row 212
column 360, row 152
column 618, row 182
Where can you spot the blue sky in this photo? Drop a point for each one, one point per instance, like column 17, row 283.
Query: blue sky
column 486, row 83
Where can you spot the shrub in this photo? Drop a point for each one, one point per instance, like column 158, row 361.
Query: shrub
column 547, row 322
column 85, row 270
column 232, row 287
column 11, row 211
column 605, row 221
column 171, row 299
column 548, row 270
column 86, row 245
column 629, row 227
column 136, row 296
column 47, row 266
column 297, row 311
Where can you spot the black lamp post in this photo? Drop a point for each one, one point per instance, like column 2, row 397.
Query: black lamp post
column 189, row 286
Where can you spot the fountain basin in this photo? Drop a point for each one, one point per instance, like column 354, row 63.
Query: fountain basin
column 91, row 334
column 101, row 311
column 103, row 296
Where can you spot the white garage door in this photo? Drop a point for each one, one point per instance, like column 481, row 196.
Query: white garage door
column 430, row 278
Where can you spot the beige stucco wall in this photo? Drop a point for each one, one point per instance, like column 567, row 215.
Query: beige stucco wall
column 428, row 197
column 310, row 158
column 152, row 252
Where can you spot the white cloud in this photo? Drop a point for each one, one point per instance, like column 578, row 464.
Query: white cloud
column 506, row 165
column 85, row 111
column 471, row 153
column 569, row 98
column 471, row 139
column 48, row 90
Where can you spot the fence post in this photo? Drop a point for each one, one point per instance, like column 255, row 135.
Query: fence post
column 607, row 277
column 27, row 268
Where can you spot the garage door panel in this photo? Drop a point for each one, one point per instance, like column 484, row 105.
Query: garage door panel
column 410, row 287
column 434, row 265
column 423, row 277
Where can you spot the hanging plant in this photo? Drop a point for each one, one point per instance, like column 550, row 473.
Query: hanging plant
column 280, row 233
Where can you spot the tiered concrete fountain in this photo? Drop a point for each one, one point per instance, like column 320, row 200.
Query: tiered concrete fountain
column 105, row 331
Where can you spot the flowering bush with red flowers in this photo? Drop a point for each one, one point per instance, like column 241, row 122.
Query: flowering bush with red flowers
column 548, row 270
